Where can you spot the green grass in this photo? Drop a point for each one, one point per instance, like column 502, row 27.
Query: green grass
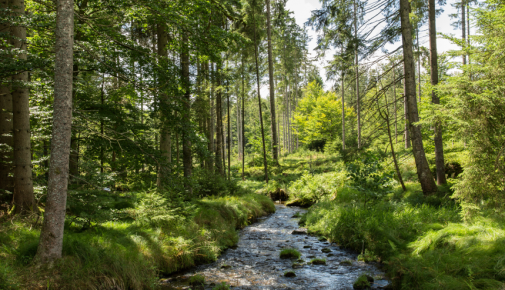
column 222, row 286
column 290, row 254
column 131, row 252
column 197, row 280
column 421, row 240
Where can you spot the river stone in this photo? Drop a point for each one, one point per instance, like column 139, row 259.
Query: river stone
column 300, row 231
column 289, row 274
column 325, row 250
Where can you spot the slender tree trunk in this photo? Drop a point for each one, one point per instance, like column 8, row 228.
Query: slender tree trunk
column 229, row 132
column 358, row 109
column 463, row 26
column 101, row 126
column 406, row 115
column 259, row 101
column 219, row 124
column 423, row 170
column 418, row 65
column 165, row 134
column 394, row 93
column 397, row 169
column 439, row 145
column 51, row 235
column 243, row 119
column 343, row 104
column 6, row 141
column 210, row 161
column 24, row 199
column 275, row 153
column 186, row 114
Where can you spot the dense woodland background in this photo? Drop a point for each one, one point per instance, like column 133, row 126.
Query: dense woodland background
column 174, row 144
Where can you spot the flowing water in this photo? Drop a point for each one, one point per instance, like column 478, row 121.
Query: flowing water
column 255, row 262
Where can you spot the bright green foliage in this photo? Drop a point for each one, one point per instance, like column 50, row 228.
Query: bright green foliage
column 310, row 188
column 477, row 106
column 318, row 115
column 290, row 254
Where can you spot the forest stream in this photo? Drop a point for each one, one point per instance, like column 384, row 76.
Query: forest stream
column 255, row 263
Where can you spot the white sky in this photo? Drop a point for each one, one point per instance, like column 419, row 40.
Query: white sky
column 302, row 11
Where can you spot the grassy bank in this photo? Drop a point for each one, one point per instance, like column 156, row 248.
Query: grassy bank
column 422, row 241
column 132, row 248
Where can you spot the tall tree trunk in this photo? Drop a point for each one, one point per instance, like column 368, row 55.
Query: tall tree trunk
column 423, row 170
column 463, row 26
column 24, row 199
column 259, row 101
column 243, row 119
column 439, row 145
column 165, row 132
column 275, row 153
column 418, row 65
column 186, row 114
column 6, row 141
column 406, row 133
column 229, row 131
column 209, row 162
column 358, row 109
column 51, row 235
column 102, row 157
column 219, row 123
column 397, row 169
column 394, row 94
column 343, row 104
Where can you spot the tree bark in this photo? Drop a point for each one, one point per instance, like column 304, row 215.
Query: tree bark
column 463, row 26
column 165, row 132
column 406, row 117
column 243, row 121
column 6, row 141
column 259, row 101
column 186, row 114
column 358, row 109
column 219, row 124
column 275, row 151
column 439, row 145
column 423, row 170
column 24, row 199
column 51, row 236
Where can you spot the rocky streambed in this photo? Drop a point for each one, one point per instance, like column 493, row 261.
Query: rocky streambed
column 256, row 264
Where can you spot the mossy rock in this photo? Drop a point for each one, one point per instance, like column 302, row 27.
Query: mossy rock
column 299, row 202
column 363, row 282
column 289, row 274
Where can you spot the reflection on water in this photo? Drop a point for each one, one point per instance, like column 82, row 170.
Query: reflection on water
column 255, row 262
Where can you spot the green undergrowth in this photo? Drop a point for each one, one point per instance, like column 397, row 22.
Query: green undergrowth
column 131, row 250
column 422, row 241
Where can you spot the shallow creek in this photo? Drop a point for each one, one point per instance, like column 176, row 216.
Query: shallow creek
column 255, row 262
